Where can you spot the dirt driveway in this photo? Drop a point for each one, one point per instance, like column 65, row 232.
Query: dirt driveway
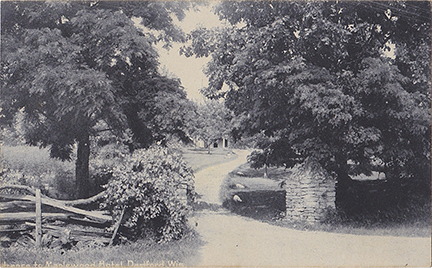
column 232, row 240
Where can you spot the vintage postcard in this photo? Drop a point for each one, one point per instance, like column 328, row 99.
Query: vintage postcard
column 215, row 134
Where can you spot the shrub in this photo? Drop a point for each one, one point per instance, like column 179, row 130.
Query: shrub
column 63, row 185
column 103, row 159
column 147, row 186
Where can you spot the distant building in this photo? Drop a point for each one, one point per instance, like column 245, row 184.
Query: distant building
column 218, row 143
column 221, row 143
column 199, row 143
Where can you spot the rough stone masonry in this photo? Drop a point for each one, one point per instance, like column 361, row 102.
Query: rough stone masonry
column 310, row 193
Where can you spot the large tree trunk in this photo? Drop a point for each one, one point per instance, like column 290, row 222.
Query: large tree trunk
column 343, row 185
column 82, row 176
column 142, row 135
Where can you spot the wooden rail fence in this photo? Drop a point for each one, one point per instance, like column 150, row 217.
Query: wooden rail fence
column 49, row 222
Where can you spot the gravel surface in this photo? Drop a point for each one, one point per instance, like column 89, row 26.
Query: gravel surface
column 232, row 240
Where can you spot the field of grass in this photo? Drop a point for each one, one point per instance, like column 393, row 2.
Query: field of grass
column 32, row 166
column 254, row 178
column 246, row 179
column 264, row 199
column 31, row 160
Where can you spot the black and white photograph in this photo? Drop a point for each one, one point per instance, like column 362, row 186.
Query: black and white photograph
column 215, row 133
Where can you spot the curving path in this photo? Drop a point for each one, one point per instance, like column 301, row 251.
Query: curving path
column 232, row 240
column 209, row 180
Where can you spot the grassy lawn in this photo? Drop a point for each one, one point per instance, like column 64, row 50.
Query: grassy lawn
column 261, row 198
column 253, row 179
column 410, row 229
column 406, row 229
column 264, row 199
column 199, row 158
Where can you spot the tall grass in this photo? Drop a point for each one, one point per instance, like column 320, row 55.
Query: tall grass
column 32, row 161
column 33, row 166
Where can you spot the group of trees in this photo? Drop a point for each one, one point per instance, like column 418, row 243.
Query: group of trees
column 77, row 70
column 344, row 83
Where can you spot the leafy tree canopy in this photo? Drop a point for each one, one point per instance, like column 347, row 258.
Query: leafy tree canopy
column 344, row 83
column 80, row 68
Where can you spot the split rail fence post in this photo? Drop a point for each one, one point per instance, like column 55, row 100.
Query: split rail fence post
column 38, row 229
column 117, row 226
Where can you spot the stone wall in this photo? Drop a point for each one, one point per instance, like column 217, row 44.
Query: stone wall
column 310, row 193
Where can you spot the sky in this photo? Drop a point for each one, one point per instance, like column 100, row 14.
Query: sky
column 189, row 70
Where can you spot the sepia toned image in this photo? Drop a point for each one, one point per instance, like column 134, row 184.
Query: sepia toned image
column 215, row 134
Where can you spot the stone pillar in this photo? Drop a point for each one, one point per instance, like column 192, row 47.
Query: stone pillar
column 310, row 193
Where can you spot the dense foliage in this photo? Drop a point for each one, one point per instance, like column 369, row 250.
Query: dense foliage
column 345, row 83
column 78, row 69
column 150, row 186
